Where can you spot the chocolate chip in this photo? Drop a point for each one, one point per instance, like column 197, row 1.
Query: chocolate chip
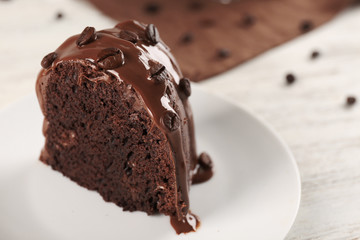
column 205, row 161
column 88, row 35
column 247, row 21
column 59, row 15
column 290, row 78
column 350, row 100
column 187, row 37
column 110, row 58
column 171, row 120
column 48, row 60
column 152, row 34
column 185, row 86
column 129, row 36
column 158, row 72
column 223, row 53
column 156, row 68
column 195, row 6
column 206, row 23
column 315, row 54
column 306, row 26
column 152, row 8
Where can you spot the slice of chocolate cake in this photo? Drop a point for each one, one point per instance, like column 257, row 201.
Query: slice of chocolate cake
column 118, row 121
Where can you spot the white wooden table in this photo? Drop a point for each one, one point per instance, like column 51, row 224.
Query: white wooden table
column 310, row 114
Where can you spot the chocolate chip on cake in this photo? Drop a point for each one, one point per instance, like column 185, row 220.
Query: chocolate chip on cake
column 171, row 120
column 110, row 58
column 350, row 100
column 158, row 72
column 152, row 8
column 223, row 53
column 187, row 38
column 88, row 35
column 205, row 161
column 152, row 34
column 290, row 78
column 306, row 26
column 48, row 60
column 185, row 86
column 129, row 36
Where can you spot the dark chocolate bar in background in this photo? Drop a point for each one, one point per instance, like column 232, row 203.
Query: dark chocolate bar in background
column 208, row 37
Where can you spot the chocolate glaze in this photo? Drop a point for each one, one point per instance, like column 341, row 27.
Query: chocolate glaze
column 189, row 224
column 158, row 98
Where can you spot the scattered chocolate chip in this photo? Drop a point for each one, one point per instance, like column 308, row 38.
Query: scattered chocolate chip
column 195, row 6
column 185, row 86
column 205, row 161
column 59, row 15
column 152, row 8
column 290, row 78
column 206, row 23
column 87, row 36
column 223, row 53
column 315, row 54
column 129, row 36
column 110, row 58
column 152, row 34
column 247, row 21
column 350, row 100
column 187, row 37
column 171, row 120
column 306, row 26
column 48, row 60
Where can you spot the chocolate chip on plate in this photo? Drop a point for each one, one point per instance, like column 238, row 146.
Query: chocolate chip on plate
column 88, row 35
column 110, row 58
column 48, row 60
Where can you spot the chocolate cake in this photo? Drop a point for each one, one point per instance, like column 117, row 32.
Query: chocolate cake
column 117, row 120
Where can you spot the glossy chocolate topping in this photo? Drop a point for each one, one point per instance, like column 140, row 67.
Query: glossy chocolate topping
column 132, row 53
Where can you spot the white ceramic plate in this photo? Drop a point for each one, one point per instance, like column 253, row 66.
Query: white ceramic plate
column 254, row 194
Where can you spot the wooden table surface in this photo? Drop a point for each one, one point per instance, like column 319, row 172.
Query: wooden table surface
column 310, row 114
